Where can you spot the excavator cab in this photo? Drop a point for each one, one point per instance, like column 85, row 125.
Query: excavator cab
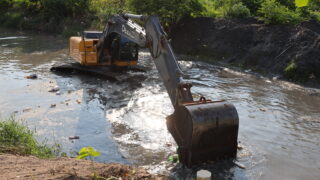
column 123, row 50
column 117, row 50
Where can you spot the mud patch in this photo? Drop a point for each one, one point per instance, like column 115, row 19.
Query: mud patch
column 249, row 44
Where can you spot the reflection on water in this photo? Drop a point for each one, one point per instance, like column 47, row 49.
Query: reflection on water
column 279, row 121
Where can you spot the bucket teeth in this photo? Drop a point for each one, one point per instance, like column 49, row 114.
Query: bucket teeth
column 204, row 131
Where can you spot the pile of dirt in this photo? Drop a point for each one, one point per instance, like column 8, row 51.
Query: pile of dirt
column 22, row 167
column 291, row 51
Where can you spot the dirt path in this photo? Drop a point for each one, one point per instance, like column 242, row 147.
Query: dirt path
column 20, row 167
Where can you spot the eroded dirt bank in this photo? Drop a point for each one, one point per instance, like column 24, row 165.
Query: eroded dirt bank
column 21, row 167
column 293, row 52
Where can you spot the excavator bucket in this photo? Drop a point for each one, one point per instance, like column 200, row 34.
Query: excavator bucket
column 204, row 131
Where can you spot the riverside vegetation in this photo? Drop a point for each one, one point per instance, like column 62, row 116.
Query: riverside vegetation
column 16, row 138
column 70, row 16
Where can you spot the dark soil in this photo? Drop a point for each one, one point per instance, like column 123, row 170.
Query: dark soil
column 250, row 44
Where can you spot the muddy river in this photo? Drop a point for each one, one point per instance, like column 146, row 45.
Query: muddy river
column 279, row 133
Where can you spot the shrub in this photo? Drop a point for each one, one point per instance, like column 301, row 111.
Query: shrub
column 238, row 10
column 291, row 68
column 252, row 5
column 224, row 8
column 209, row 9
column 297, row 73
column 288, row 3
column 102, row 9
column 169, row 11
column 315, row 15
column 60, row 9
column 272, row 12
column 314, row 9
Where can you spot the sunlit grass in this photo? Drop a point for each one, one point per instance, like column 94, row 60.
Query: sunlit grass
column 15, row 138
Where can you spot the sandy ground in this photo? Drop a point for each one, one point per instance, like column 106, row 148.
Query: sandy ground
column 20, row 167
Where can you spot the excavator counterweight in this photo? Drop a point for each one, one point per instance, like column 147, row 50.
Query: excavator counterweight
column 204, row 130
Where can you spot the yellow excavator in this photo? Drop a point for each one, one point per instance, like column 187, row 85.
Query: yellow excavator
column 203, row 129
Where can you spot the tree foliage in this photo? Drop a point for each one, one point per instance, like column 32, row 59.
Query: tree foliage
column 56, row 15
column 169, row 11
column 272, row 11
column 102, row 9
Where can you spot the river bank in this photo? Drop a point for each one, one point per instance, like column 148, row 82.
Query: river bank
column 29, row 167
column 288, row 52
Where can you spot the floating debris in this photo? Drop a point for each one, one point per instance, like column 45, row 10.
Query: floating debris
column 240, row 147
column 268, row 81
column 54, row 89
column 74, row 137
column 263, row 109
column 32, row 76
column 239, row 165
column 53, row 105
column 203, row 175
column 26, row 109
column 275, row 78
column 58, row 93
column 78, row 101
column 314, row 94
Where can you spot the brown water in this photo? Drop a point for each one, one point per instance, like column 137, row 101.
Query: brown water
column 279, row 121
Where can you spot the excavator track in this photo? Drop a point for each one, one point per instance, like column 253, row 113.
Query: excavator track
column 106, row 72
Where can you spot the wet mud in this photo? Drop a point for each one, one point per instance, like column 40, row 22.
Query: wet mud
column 250, row 44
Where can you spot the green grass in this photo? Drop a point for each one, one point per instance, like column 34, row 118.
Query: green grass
column 294, row 73
column 15, row 138
column 290, row 71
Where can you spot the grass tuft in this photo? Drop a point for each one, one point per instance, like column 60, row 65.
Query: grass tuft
column 15, row 138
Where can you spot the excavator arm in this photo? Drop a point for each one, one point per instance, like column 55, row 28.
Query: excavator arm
column 204, row 130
